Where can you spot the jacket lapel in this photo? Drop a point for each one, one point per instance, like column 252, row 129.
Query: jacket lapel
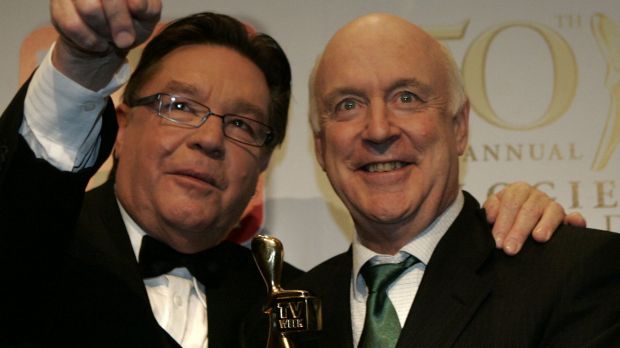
column 103, row 246
column 235, row 290
column 337, row 304
column 455, row 282
column 104, row 240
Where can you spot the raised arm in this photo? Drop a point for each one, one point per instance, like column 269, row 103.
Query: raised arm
column 42, row 139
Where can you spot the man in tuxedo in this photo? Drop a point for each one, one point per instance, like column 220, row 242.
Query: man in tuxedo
column 390, row 119
column 142, row 260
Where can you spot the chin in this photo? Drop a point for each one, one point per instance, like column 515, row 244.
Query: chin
column 189, row 219
column 383, row 216
column 390, row 207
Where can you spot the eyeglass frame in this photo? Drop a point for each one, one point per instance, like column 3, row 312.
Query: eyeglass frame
column 157, row 97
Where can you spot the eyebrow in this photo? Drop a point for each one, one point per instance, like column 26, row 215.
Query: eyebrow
column 176, row 87
column 343, row 90
column 421, row 88
column 245, row 108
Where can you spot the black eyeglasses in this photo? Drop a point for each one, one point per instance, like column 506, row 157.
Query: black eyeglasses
column 187, row 112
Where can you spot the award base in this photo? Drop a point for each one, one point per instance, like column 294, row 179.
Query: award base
column 292, row 313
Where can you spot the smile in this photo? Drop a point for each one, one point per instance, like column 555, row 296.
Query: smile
column 383, row 167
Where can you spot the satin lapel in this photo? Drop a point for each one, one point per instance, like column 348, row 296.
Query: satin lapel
column 103, row 244
column 107, row 239
column 234, row 293
column 455, row 283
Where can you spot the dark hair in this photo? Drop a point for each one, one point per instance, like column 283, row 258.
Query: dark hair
column 219, row 29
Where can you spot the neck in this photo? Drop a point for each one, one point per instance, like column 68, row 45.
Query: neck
column 187, row 243
column 385, row 241
column 389, row 238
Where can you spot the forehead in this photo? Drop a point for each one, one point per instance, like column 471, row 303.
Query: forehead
column 216, row 75
column 376, row 54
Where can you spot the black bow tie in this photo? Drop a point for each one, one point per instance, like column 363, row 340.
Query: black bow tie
column 157, row 258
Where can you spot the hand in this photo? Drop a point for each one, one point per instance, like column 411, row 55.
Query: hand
column 96, row 35
column 574, row 219
column 99, row 26
column 520, row 210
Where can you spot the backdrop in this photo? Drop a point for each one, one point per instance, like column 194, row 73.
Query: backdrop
column 543, row 78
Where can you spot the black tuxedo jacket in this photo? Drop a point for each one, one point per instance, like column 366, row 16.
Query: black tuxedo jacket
column 70, row 275
column 564, row 293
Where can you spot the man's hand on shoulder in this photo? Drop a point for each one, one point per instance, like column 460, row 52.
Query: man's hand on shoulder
column 520, row 210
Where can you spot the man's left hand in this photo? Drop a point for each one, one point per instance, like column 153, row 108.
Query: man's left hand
column 520, row 210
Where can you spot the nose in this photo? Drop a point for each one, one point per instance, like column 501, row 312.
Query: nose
column 380, row 132
column 209, row 138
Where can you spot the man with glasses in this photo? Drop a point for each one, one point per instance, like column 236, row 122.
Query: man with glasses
column 142, row 261
column 147, row 263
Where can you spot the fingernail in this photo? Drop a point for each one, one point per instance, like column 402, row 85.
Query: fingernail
column 541, row 234
column 123, row 39
column 498, row 242
column 510, row 247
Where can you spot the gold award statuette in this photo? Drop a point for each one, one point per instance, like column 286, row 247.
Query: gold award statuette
column 292, row 313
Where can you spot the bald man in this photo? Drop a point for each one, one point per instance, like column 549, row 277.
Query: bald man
column 390, row 120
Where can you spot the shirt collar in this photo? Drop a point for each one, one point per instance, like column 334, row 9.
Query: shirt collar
column 134, row 231
column 422, row 246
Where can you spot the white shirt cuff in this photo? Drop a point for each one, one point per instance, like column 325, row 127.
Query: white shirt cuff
column 62, row 119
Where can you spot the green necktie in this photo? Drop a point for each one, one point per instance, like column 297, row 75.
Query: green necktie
column 381, row 325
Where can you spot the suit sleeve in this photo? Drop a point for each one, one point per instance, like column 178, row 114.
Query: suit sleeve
column 34, row 195
column 39, row 206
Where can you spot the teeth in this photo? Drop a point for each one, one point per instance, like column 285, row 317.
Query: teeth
column 384, row 167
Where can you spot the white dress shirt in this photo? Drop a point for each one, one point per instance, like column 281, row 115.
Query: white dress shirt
column 62, row 121
column 403, row 290
column 177, row 298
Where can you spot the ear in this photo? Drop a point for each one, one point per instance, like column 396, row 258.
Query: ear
column 461, row 127
column 122, row 118
column 319, row 151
